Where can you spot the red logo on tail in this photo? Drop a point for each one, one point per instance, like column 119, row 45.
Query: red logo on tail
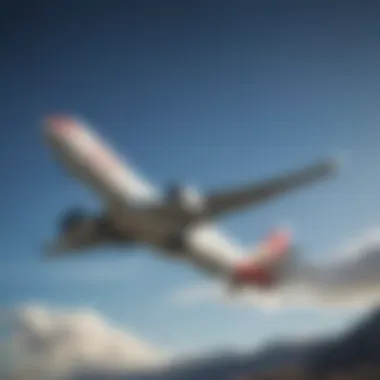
column 277, row 243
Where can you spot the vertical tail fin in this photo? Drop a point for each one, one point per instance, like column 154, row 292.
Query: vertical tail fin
column 275, row 247
column 268, row 264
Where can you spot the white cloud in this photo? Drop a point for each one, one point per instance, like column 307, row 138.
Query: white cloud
column 351, row 279
column 42, row 343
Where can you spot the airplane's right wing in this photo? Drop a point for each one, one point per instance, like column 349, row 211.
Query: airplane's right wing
column 257, row 193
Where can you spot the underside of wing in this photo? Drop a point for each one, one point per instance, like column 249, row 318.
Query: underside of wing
column 257, row 193
column 217, row 203
column 79, row 233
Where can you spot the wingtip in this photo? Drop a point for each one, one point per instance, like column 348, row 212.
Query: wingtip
column 339, row 160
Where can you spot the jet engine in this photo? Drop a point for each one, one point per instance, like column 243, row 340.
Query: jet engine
column 185, row 197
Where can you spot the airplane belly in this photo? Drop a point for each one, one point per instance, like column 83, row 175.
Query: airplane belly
column 142, row 225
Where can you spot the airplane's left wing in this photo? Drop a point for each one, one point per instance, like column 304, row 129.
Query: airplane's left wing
column 257, row 193
column 79, row 234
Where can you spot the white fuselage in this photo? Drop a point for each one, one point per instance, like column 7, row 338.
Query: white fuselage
column 96, row 164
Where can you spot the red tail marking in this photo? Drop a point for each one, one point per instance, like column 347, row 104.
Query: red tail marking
column 250, row 273
column 277, row 244
column 259, row 273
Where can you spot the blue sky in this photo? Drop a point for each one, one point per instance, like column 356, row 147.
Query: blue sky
column 213, row 93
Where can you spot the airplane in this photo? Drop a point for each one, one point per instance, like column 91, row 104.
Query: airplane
column 178, row 222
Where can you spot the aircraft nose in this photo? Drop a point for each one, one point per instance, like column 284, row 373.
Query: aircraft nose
column 58, row 128
column 58, row 123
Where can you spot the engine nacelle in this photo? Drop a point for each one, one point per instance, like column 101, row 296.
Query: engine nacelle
column 186, row 198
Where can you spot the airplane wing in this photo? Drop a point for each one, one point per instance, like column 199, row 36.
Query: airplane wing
column 65, row 246
column 77, row 236
column 257, row 193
